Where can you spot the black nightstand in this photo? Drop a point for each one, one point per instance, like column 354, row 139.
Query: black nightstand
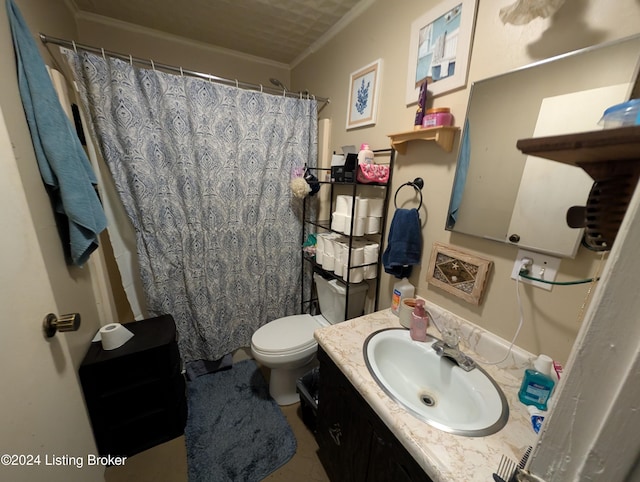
column 135, row 394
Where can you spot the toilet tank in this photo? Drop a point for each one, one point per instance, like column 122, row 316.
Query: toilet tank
column 332, row 296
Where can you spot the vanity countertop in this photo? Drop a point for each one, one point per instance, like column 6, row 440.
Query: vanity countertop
column 443, row 456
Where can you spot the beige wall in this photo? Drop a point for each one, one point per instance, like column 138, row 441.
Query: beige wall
column 149, row 44
column 383, row 31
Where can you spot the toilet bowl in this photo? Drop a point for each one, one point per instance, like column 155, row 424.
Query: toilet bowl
column 287, row 345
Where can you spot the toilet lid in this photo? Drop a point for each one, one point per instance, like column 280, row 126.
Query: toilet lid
column 286, row 334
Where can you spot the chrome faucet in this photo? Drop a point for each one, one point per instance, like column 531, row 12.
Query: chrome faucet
column 448, row 347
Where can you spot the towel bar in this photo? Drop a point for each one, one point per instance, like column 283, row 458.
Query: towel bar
column 417, row 184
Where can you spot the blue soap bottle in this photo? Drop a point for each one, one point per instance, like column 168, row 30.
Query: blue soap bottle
column 537, row 383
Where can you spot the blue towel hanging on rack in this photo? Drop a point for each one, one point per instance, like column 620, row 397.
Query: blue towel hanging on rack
column 63, row 164
column 404, row 246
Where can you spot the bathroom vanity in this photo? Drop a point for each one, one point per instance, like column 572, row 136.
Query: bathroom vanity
column 365, row 435
column 354, row 443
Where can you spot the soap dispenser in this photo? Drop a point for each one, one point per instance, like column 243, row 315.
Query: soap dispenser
column 537, row 383
column 419, row 322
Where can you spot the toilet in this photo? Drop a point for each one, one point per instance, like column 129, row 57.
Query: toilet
column 287, row 346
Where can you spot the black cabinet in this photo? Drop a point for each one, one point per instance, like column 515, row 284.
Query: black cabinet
column 135, row 394
column 354, row 444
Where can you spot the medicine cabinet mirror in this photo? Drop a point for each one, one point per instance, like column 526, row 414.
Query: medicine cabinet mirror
column 500, row 193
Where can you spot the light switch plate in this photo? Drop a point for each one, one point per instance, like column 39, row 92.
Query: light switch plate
column 544, row 267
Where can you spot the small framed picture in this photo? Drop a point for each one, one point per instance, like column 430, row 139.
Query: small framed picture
column 364, row 86
column 459, row 273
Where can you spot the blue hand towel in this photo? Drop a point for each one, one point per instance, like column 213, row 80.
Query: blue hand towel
column 63, row 164
column 404, row 246
column 461, row 176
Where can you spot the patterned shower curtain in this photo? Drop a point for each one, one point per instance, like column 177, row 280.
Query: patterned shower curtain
column 203, row 171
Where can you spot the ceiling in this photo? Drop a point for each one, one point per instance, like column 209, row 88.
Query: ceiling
column 283, row 31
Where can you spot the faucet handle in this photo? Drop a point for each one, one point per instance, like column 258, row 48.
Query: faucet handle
column 450, row 338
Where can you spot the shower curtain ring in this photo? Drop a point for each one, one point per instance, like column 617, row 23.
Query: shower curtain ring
column 181, row 72
column 153, row 66
column 237, row 86
column 130, row 60
column 103, row 56
column 261, row 89
column 75, row 49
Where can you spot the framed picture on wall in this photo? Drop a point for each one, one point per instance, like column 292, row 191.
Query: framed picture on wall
column 459, row 273
column 440, row 48
column 364, row 86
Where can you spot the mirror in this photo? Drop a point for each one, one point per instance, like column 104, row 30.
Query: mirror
column 503, row 195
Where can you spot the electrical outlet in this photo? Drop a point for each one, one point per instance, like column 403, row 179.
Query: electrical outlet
column 543, row 267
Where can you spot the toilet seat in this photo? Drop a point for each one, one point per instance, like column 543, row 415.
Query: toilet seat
column 287, row 335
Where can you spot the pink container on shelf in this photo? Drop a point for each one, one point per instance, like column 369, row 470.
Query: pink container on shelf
column 436, row 117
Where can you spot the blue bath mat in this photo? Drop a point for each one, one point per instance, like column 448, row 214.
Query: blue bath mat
column 235, row 431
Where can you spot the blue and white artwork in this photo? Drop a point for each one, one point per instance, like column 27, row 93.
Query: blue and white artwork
column 362, row 96
column 437, row 47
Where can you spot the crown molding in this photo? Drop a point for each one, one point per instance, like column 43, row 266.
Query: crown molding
column 340, row 25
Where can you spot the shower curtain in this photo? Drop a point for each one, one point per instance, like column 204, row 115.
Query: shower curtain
column 203, row 172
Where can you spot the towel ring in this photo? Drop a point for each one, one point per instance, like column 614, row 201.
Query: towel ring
column 417, row 184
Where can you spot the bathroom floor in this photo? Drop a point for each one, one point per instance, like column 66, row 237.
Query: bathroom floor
column 168, row 462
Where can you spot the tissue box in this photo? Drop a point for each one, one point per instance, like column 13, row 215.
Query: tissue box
column 345, row 173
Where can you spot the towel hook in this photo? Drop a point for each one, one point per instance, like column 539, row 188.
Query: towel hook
column 417, row 184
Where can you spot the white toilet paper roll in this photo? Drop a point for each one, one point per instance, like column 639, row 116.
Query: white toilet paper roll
column 359, row 226
column 328, row 262
column 371, row 250
column 338, row 268
column 357, row 255
column 344, row 204
column 114, row 335
column 370, row 272
column 338, row 221
column 329, row 240
column 320, row 238
column 356, row 275
column 362, row 207
column 340, row 256
column 347, row 225
column 373, row 225
column 376, row 206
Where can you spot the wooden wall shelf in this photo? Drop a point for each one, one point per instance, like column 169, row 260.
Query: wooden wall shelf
column 443, row 136
column 599, row 153
column 612, row 158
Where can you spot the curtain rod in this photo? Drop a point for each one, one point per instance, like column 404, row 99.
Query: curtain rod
column 155, row 65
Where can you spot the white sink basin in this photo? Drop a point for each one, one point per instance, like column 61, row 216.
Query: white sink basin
column 432, row 388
